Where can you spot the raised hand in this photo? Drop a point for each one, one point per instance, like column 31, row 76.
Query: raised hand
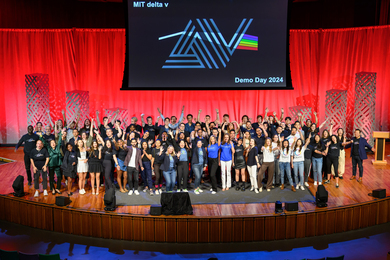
column 315, row 113
column 282, row 110
column 299, row 114
column 274, row 114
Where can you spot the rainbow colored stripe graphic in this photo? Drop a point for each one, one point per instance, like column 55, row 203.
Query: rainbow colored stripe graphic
column 248, row 42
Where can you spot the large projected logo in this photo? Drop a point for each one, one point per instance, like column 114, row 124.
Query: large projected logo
column 206, row 47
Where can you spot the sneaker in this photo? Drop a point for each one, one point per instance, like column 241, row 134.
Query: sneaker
column 268, row 189
column 157, row 192
column 302, row 188
column 315, row 183
column 237, row 188
column 130, row 192
column 101, row 185
column 337, row 185
column 261, row 190
column 45, row 193
column 213, row 192
column 256, row 190
column 36, row 194
column 252, row 189
column 151, row 193
column 297, row 187
column 196, row 192
column 136, row 192
column 84, row 191
column 320, row 183
column 200, row 190
column 160, row 190
column 211, row 189
column 145, row 190
column 185, row 190
column 306, row 184
column 243, row 188
column 327, row 181
column 341, row 177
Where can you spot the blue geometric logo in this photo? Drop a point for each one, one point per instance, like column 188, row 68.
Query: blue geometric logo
column 202, row 45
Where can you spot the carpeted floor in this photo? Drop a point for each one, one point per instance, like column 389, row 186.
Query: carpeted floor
column 222, row 197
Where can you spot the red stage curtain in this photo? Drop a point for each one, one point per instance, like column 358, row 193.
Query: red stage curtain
column 93, row 59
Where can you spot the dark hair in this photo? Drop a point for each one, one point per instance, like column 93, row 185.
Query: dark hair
column 259, row 116
column 248, row 122
column 288, row 145
column 105, row 118
column 133, row 139
column 118, row 121
column 167, row 118
column 319, row 144
column 294, row 128
column 173, row 117
column 287, row 118
column 223, row 141
column 226, row 115
column 198, row 123
column 208, row 116
column 233, row 131
column 67, row 144
column 190, row 115
column 244, row 116
column 142, row 144
column 148, row 117
column 358, row 130
column 39, row 123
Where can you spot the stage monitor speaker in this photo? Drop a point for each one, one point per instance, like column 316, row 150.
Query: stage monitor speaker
column 278, row 207
column 18, row 186
column 291, row 206
column 155, row 210
column 110, row 200
column 321, row 196
column 177, row 203
column 62, row 201
column 379, row 193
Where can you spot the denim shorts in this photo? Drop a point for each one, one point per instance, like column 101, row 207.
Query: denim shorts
column 121, row 165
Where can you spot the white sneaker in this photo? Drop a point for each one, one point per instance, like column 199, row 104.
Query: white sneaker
column 45, row 193
column 151, row 193
column 306, row 184
column 297, row 187
column 256, row 190
column 252, row 189
column 211, row 189
column 84, row 191
column 261, row 190
column 302, row 188
column 156, row 192
column 268, row 189
column 136, row 192
column 160, row 190
column 196, row 192
column 320, row 183
column 315, row 183
column 36, row 194
column 200, row 190
column 145, row 190
column 66, row 182
column 130, row 193
column 185, row 190
column 213, row 192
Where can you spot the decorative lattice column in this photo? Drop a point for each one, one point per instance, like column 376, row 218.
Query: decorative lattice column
column 37, row 96
column 336, row 109
column 77, row 100
column 306, row 111
column 123, row 114
column 365, row 94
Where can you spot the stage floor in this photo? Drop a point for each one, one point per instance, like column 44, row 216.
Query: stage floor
column 349, row 192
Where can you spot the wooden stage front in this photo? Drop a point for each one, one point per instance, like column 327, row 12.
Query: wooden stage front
column 349, row 207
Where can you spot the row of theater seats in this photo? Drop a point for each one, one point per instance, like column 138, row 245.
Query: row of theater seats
column 15, row 255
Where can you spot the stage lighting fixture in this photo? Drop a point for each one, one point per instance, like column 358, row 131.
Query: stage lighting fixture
column 321, row 196
column 278, row 207
column 18, row 186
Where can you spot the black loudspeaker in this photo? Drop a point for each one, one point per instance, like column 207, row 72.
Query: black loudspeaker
column 379, row 193
column 278, row 207
column 155, row 210
column 321, row 196
column 18, row 186
column 176, row 203
column 291, row 206
column 62, row 201
column 110, row 200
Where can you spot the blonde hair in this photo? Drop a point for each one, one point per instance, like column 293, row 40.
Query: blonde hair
column 270, row 145
column 173, row 153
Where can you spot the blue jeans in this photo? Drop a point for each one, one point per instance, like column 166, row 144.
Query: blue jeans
column 285, row 166
column 198, row 170
column 146, row 174
column 298, row 169
column 317, row 168
column 170, row 179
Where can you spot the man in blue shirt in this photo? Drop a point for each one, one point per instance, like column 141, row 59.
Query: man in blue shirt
column 190, row 126
column 173, row 125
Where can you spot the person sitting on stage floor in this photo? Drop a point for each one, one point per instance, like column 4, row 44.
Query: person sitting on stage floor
column 133, row 162
column 39, row 160
column 169, row 166
column 69, row 166
column 55, row 162
column 358, row 153
column 30, row 139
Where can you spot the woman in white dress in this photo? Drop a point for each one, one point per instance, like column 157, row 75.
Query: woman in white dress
column 82, row 165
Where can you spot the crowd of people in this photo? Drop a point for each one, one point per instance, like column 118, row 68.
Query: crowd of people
column 272, row 149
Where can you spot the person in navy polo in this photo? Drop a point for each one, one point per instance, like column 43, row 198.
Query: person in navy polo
column 358, row 153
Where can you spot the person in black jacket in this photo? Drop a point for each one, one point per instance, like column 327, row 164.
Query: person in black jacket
column 30, row 139
column 69, row 166
column 198, row 163
column 169, row 166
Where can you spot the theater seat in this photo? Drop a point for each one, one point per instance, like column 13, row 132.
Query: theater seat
column 23, row 256
column 336, row 258
column 49, row 257
column 9, row 255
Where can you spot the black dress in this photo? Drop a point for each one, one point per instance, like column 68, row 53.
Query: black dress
column 67, row 166
column 239, row 160
column 94, row 163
